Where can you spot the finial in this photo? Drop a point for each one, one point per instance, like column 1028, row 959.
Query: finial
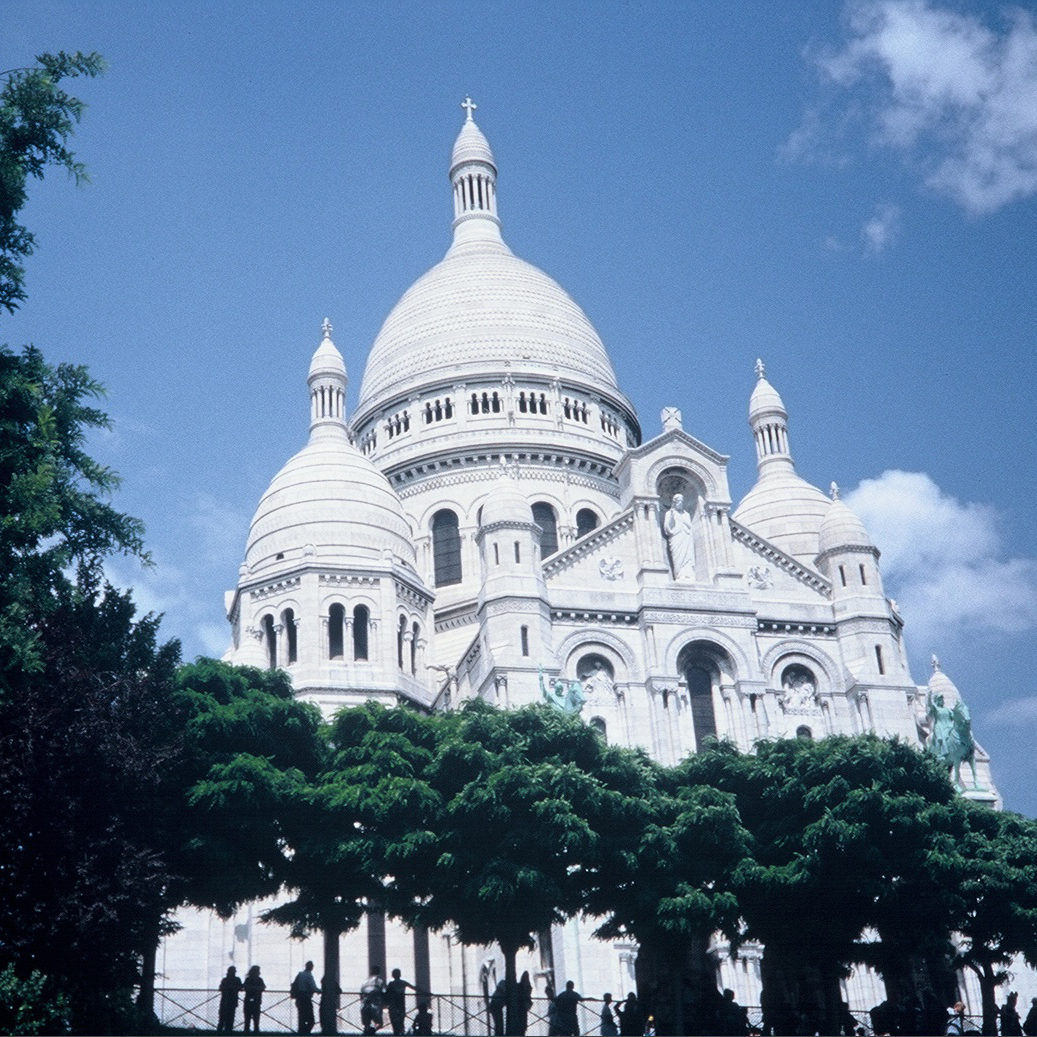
column 760, row 369
column 469, row 105
column 326, row 328
column 833, row 491
column 936, row 665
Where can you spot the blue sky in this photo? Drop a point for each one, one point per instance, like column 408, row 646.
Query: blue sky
column 848, row 192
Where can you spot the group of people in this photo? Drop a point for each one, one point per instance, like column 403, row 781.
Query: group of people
column 1007, row 1017
column 230, row 987
column 375, row 996
column 616, row 1020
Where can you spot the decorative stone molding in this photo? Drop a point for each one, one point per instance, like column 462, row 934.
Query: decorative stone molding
column 781, row 627
column 270, row 589
column 593, row 541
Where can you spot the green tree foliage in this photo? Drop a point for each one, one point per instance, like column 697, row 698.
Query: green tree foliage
column 55, row 517
column 31, row 1006
column 83, row 748
column 527, row 800
column 843, row 832
column 37, row 118
column 997, row 900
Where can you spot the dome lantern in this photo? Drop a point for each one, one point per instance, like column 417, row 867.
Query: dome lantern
column 327, row 381
column 473, row 178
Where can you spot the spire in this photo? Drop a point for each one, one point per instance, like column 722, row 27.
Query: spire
column 473, row 177
column 327, row 381
column 833, row 491
column 769, row 422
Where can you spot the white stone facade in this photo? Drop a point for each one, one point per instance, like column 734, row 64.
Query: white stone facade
column 491, row 508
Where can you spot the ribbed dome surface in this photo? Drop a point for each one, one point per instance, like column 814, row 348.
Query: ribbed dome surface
column 786, row 510
column 765, row 400
column 477, row 309
column 841, row 528
column 471, row 146
column 329, row 497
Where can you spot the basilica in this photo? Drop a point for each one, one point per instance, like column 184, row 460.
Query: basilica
column 492, row 518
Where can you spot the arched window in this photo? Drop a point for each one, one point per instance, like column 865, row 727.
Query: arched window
column 446, row 548
column 805, row 733
column 361, row 618
column 400, row 630
column 586, row 520
column 544, row 517
column 270, row 636
column 415, row 631
column 700, row 695
column 599, row 727
column 288, row 621
column 336, row 619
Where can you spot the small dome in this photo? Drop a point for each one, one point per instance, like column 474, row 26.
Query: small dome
column 327, row 360
column 941, row 684
column 787, row 511
column 471, row 146
column 506, row 503
column 765, row 400
column 842, row 528
column 331, row 497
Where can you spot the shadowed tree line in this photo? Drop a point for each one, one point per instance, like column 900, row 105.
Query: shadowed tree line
column 133, row 785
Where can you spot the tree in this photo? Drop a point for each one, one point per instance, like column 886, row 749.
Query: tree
column 84, row 742
column 517, row 839
column 998, row 904
column 37, row 118
column 56, row 523
column 671, row 887
column 847, row 834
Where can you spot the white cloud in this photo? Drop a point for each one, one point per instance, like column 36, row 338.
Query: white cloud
column 943, row 560
column 954, row 97
column 881, row 230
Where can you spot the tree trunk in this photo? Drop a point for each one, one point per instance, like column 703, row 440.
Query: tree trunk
column 799, row 996
column 510, row 952
column 146, row 993
column 988, row 990
column 677, row 983
column 329, row 987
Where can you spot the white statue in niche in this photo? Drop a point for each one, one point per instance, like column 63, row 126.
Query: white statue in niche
column 677, row 530
column 598, row 682
column 799, row 693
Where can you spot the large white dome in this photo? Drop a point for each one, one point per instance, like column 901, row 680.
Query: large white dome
column 478, row 309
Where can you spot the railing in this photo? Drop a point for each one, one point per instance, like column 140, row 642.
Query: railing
column 453, row 1014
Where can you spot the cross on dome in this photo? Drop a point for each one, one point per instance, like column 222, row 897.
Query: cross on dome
column 834, row 491
column 469, row 105
column 326, row 327
column 760, row 369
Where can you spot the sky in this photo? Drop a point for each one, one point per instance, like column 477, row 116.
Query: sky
column 848, row 192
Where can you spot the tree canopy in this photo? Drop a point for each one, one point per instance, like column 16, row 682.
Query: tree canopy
column 37, row 118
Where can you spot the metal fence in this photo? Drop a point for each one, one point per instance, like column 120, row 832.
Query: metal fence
column 454, row 1014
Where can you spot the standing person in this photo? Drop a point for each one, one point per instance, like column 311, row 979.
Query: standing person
column 304, row 986
column 956, row 1023
column 608, row 1020
column 566, row 1002
column 631, row 1017
column 253, row 987
column 496, row 1007
column 396, row 1001
column 1030, row 1022
column 328, row 1011
column 371, row 997
column 1010, row 1026
column 230, row 987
